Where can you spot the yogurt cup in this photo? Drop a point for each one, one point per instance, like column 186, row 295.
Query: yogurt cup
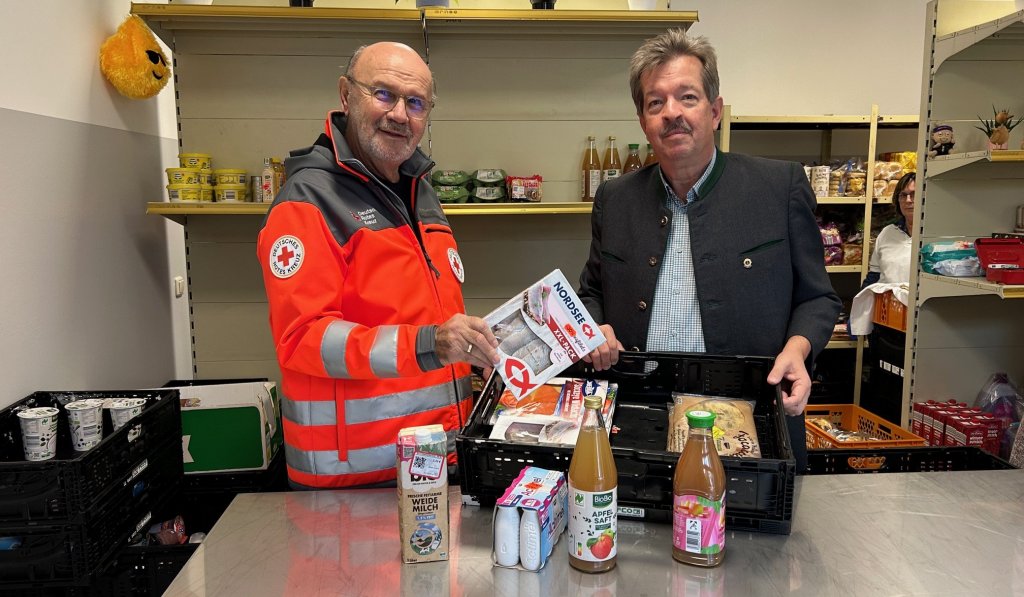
column 39, row 432
column 85, row 417
column 195, row 160
column 230, row 193
column 229, row 176
column 183, row 175
column 123, row 410
column 191, row 193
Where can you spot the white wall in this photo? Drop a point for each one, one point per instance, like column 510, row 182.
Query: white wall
column 86, row 300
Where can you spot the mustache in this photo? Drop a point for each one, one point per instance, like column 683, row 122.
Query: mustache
column 396, row 128
column 677, row 126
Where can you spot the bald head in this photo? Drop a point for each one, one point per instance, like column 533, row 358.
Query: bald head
column 376, row 90
column 387, row 52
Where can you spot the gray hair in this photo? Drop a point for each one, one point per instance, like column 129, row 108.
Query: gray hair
column 674, row 43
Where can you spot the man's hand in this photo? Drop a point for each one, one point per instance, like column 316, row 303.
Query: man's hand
column 466, row 339
column 606, row 355
column 791, row 372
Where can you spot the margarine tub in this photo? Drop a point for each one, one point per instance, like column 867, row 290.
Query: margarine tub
column 229, row 176
column 183, row 175
column 195, row 160
column 184, row 192
column 206, row 177
column 230, row 193
column 206, row 192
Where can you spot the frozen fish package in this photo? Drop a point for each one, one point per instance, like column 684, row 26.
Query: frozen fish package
column 540, row 332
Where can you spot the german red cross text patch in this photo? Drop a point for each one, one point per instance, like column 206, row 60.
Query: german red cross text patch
column 286, row 256
column 456, row 262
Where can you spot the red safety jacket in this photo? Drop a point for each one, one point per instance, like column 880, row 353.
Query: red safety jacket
column 355, row 296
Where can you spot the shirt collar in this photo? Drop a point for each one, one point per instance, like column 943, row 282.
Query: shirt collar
column 691, row 195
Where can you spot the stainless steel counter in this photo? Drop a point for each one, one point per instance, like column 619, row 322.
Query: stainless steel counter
column 888, row 534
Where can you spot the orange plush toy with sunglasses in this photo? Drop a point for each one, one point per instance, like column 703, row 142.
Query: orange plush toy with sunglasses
column 133, row 62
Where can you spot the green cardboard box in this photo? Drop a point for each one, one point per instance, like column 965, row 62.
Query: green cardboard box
column 229, row 426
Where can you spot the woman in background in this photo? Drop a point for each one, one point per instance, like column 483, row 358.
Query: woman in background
column 890, row 257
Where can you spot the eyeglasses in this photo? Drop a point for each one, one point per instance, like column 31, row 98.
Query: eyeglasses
column 416, row 107
column 907, row 196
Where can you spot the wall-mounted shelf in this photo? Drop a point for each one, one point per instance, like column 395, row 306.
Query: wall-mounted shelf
column 174, row 210
column 839, row 344
column 843, row 269
column 1009, row 29
column 936, row 286
column 944, row 164
column 841, row 200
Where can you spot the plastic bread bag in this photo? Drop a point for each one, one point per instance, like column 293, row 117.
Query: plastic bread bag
column 1000, row 398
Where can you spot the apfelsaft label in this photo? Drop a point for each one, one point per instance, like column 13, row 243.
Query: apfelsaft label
column 698, row 524
column 593, row 524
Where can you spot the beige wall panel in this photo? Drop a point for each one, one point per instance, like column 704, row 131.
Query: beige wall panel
column 472, row 88
column 956, row 208
column 232, row 332
column 228, row 228
column 944, row 373
column 446, row 49
column 243, row 143
column 552, row 149
column 520, row 228
column 238, row 369
column 975, row 321
column 499, row 269
column 288, row 44
column 238, row 86
column 990, row 83
column 225, row 273
column 896, row 140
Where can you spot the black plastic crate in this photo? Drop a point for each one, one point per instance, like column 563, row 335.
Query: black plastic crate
column 69, row 554
column 67, row 486
column 902, row 460
column 760, row 491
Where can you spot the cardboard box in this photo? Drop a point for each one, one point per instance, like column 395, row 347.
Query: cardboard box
column 542, row 494
column 228, row 425
column 423, row 493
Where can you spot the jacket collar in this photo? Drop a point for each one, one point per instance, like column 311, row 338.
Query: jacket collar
column 337, row 121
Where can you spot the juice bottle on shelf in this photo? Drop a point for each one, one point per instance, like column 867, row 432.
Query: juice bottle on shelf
column 268, row 180
column 593, row 495
column 698, row 496
column 591, row 171
column 278, row 172
column 650, row 158
column 633, row 159
column 611, row 167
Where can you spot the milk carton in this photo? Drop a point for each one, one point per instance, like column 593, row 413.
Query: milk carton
column 529, row 518
column 423, row 493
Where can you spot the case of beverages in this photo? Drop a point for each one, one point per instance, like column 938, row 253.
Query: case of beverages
column 760, row 489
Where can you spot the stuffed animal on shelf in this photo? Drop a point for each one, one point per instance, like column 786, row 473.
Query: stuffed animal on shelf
column 132, row 60
column 942, row 140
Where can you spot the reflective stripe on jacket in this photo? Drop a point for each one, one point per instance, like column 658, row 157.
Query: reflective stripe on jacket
column 354, row 299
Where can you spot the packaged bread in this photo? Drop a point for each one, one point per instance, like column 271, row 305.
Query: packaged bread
column 735, row 433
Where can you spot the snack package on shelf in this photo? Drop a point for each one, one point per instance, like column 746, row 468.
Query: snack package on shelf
column 525, row 188
column 734, row 433
column 833, row 243
column 957, row 258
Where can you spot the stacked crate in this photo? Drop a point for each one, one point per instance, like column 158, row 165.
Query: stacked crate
column 65, row 518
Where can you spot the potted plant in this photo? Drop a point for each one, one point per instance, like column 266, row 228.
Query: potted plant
column 998, row 129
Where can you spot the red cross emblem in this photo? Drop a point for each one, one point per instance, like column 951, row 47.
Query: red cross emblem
column 286, row 256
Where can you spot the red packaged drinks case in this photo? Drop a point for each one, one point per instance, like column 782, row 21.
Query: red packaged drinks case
column 921, row 409
column 964, row 431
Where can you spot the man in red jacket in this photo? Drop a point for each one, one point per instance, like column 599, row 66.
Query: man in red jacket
column 364, row 283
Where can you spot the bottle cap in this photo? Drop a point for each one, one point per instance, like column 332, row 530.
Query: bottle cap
column 593, row 402
column 423, row 435
column 634, row 146
column 590, row 138
column 700, row 419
